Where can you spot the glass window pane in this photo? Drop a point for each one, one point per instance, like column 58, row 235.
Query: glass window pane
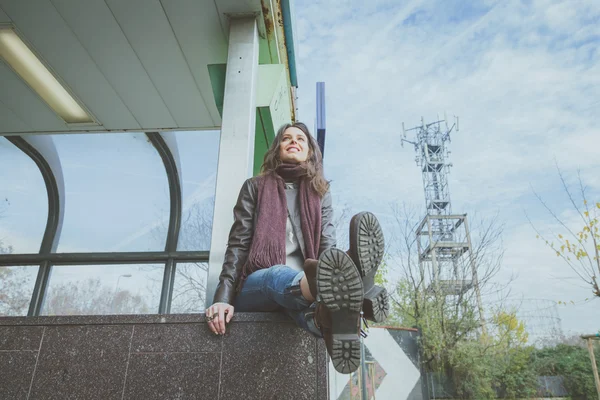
column 104, row 289
column 16, row 288
column 190, row 288
column 117, row 193
column 23, row 201
column 198, row 153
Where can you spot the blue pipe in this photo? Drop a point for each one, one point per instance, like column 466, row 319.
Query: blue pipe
column 288, row 33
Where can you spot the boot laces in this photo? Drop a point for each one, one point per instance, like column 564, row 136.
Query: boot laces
column 363, row 332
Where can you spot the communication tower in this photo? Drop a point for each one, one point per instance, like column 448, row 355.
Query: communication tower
column 443, row 238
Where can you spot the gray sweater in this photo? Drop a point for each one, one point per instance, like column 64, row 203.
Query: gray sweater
column 293, row 251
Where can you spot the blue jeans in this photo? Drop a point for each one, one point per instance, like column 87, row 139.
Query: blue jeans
column 275, row 289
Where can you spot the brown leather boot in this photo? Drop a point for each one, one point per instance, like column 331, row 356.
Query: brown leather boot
column 366, row 250
column 340, row 297
column 310, row 271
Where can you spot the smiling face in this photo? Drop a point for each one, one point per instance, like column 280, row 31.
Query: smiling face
column 294, row 146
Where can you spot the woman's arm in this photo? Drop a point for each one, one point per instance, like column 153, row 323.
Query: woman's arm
column 238, row 245
column 327, row 228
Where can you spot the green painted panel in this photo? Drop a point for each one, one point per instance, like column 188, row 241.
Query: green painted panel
column 217, row 80
column 264, row 53
column 273, row 104
column 263, row 137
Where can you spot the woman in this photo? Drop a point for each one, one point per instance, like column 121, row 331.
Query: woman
column 281, row 251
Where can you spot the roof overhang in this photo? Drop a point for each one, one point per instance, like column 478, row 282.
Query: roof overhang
column 136, row 65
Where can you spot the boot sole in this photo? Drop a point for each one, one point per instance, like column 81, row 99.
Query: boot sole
column 376, row 305
column 340, row 289
column 367, row 245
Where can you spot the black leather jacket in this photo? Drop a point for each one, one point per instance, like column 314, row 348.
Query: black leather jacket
column 240, row 238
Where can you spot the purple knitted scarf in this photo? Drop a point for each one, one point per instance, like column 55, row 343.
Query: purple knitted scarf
column 268, row 242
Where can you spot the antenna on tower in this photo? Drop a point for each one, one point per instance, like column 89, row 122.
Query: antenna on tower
column 443, row 238
column 446, row 121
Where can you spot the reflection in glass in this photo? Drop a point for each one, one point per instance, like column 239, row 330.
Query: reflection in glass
column 104, row 290
column 117, row 193
column 23, row 201
column 198, row 152
column 16, row 288
column 190, row 288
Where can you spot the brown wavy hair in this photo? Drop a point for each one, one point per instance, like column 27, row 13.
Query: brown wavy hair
column 314, row 160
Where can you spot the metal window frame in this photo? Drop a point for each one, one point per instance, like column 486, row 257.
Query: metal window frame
column 47, row 257
column 170, row 164
column 52, row 223
column 141, row 257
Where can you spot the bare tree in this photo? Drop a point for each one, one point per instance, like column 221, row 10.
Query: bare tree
column 91, row 297
column 14, row 282
column 579, row 249
column 189, row 291
column 196, row 226
column 418, row 300
column 5, row 248
column 14, row 298
column 341, row 222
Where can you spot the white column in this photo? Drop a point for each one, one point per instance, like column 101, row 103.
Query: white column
column 236, row 150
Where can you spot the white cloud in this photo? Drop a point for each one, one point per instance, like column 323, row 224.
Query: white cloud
column 524, row 79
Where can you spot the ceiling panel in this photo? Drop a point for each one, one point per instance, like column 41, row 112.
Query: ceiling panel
column 44, row 28
column 3, row 17
column 227, row 7
column 98, row 31
column 10, row 122
column 198, row 29
column 151, row 36
column 26, row 104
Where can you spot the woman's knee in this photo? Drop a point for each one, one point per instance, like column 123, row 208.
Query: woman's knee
column 279, row 277
column 278, row 271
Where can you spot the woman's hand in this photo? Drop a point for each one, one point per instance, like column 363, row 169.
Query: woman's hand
column 215, row 316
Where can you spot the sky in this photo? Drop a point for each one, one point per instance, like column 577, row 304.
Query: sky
column 522, row 76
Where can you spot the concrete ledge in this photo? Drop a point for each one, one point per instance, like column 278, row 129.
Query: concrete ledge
column 138, row 319
column 263, row 356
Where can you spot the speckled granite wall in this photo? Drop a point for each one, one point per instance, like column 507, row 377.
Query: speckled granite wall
column 263, row 356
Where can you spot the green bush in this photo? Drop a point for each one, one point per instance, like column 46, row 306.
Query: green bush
column 488, row 371
column 573, row 364
column 472, row 371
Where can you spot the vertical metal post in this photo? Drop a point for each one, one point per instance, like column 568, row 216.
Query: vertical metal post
column 167, row 149
column 433, row 251
column 42, row 151
column 321, row 116
column 590, row 347
column 372, row 373
column 39, row 289
column 168, row 284
column 363, row 365
column 475, row 279
column 236, row 149
column 419, row 254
